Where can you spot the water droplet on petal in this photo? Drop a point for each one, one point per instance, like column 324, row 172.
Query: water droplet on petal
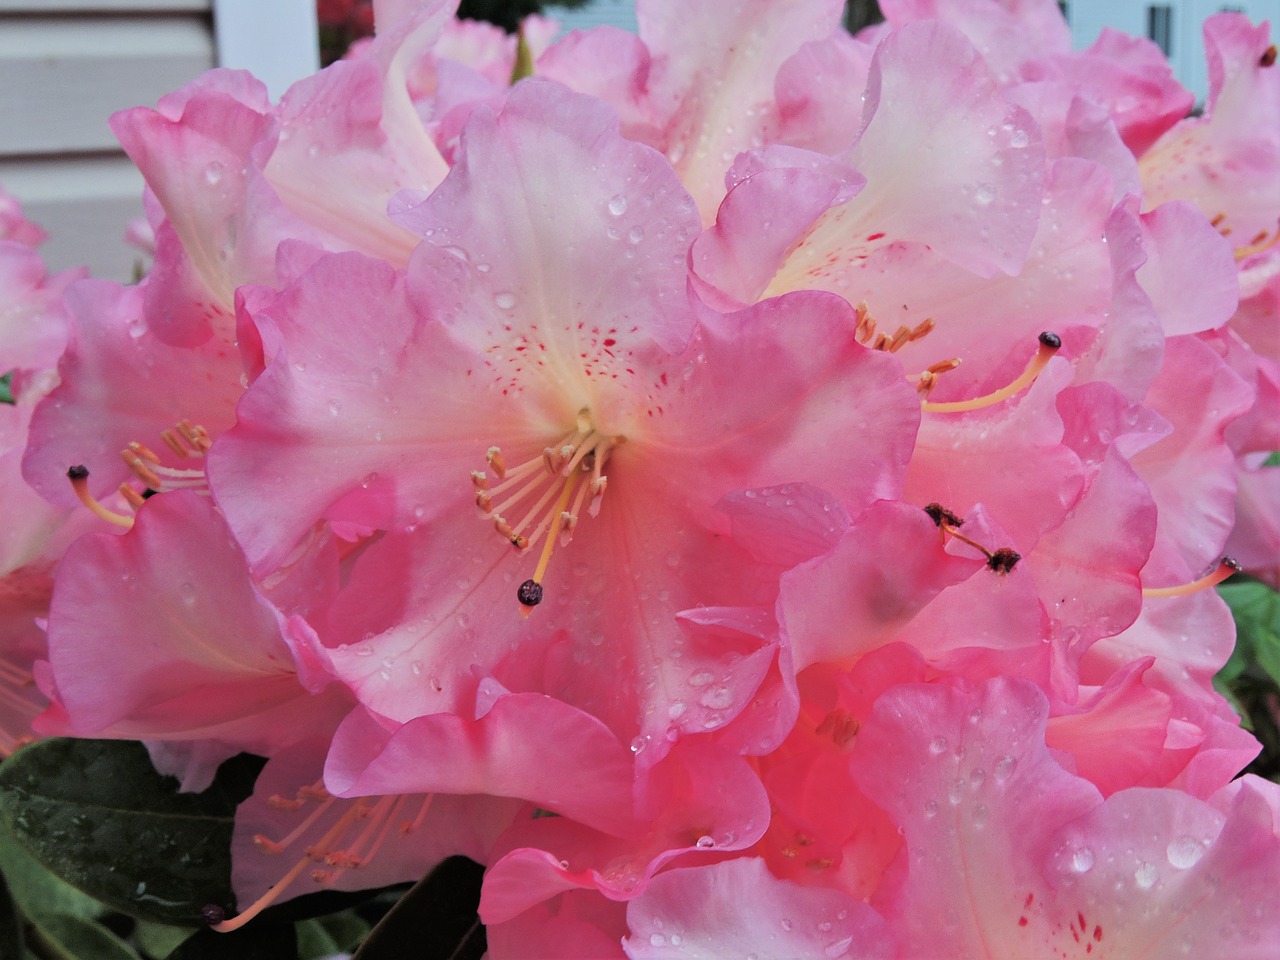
column 937, row 745
column 1146, row 875
column 213, row 172
column 705, row 841
column 1185, row 852
column 618, row 205
column 1082, row 860
column 505, row 300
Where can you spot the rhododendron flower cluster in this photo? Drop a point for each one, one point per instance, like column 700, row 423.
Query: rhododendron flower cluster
column 753, row 488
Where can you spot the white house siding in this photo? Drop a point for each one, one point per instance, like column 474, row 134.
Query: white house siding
column 67, row 65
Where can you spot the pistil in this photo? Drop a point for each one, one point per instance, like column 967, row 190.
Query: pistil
column 1225, row 568
column 1050, row 343
column 557, row 483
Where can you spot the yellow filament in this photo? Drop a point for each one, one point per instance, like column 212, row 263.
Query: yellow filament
column 81, row 486
column 1225, row 568
column 1043, row 355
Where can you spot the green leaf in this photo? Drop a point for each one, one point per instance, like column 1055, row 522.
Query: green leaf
column 10, row 924
column 325, row 936
column 97, row 814
column 37, row 891
column 254, row 941
column 435, row 920
column 69, row 937
column 6, row 390
column 158, row 940
column 1273, row 460
column 1256, row 608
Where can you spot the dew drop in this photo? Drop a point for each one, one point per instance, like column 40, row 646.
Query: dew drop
column 657, row 940
column 786, row 925
column 705, row 842
column 984, row 194
column 1082, row 860
column 937, row 745
column 701, row 678
column 334, row 408
column 416, row 668
column 1184, row 852
column 188, row 592
column 635, row 234
column 213, row 172
column 676, row 939
column 505, row 300
column 1018, row 139
column 1004, row 768
column 637, row 744
column 617, row 205
column 931, row 809
column 1145, row 876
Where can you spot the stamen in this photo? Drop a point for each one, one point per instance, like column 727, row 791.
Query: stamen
column 548, row 483
column 268, row 898
column 493, row 456
column 1002, row 560
column 1268, row 58
column 79, row 477
column 1225, row 568
column 1050, row 343
column 1263, row 240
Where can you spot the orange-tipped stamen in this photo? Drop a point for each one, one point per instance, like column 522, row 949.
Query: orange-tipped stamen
column 1263, row 241
column 1050, row 343
column 268, row 898
column 1225, row 568
column 79, row 477
column 542, row 488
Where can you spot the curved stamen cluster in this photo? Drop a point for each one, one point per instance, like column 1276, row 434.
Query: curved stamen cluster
column 1262, row 240
column 186, row 440
column 356, row 836
column 549, row 491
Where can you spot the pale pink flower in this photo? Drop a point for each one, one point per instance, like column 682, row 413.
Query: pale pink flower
column 546, row 309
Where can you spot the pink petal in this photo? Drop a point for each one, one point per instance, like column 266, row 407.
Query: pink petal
column 527, row 746
column 698, row 804
column 738, row 907
column 965, row 774
column 177, row 643
column 1192, row 472
column 578, row 925
column 351, row 137
column 1177, row 236
column 712, row 61
column 396, row 839
column 120, row 383
column 519, row 189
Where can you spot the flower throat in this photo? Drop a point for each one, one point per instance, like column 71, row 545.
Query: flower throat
column 548, row 492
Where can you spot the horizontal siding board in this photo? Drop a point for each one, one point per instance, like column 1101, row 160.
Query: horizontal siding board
column 60, row 78
column 84, row 203
column 104, row 6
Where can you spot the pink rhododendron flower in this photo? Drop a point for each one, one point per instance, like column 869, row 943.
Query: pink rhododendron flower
column 745, row 485
column 588, row 349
